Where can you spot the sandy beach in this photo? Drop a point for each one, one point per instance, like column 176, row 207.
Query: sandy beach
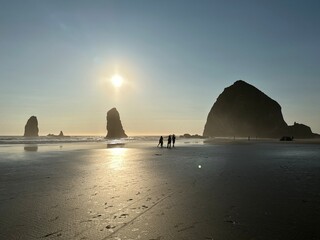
column 243, row 190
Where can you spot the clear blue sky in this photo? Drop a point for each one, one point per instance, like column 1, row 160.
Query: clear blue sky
column 176, row 57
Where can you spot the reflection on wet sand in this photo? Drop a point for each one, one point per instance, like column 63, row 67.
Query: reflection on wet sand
column 117, row 158
column 31, row 148
column 115, row 145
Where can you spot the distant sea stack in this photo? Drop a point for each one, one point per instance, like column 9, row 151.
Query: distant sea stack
column 31, row 129
column 242, row 110
column 60, row 135
column 114, row 126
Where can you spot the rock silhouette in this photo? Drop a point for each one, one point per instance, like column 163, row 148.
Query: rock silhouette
column 31, row 129
column 114, row 126
column 300, row 131
column 242, row 110
column 59, row 135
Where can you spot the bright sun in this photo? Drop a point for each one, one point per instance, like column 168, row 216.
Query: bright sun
column 117, row 80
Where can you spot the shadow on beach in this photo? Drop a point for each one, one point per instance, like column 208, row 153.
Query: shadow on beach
column 115, row 145
column 31, row 148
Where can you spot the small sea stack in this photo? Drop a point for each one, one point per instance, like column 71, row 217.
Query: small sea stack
column 31, row 129
column 114, row 126
column 59, row 135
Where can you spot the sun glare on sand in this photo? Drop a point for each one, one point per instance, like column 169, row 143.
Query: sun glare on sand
column 117, row 80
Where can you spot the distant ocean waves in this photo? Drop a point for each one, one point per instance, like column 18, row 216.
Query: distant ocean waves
column 71, row 139
column 44, row 140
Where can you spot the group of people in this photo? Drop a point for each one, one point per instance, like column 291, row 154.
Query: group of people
column 171, row 138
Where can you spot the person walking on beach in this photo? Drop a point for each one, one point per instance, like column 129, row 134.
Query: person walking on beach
column 169, row 142
column 160, row 142
column 173, row 139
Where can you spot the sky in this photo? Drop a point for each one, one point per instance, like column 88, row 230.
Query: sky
column 176, row 57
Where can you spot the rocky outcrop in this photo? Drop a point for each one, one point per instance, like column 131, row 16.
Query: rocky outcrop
column 298, row 130
column 187, row 135
column 31, row 129
column 114, row 126
column 60, row 135
column 242, row 110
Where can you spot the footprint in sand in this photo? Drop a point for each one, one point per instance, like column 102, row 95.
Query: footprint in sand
column 110, row 227
column 53, row 233
column 186, row 228
column 178, row 225
column 158, row 238
column 53, row 219
column 85, row 221
column 230, row 221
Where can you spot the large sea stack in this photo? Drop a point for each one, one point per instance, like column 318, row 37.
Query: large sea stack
column 242, row 110
column 31, row 129
column 114, row 126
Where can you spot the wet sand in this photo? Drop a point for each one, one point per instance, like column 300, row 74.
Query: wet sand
column 256, row 190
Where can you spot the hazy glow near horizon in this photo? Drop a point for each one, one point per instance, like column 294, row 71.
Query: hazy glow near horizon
column 173, row 60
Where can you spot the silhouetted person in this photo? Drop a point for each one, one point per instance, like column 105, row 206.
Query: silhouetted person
column 169, row 142
column 173, row 139
column 160, row 142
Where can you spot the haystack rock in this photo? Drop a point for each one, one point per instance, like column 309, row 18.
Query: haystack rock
column 31, row 129
column 114, row 126
column 242, row 110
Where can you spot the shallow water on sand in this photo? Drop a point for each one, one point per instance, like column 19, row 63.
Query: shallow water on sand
column 234, row 190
